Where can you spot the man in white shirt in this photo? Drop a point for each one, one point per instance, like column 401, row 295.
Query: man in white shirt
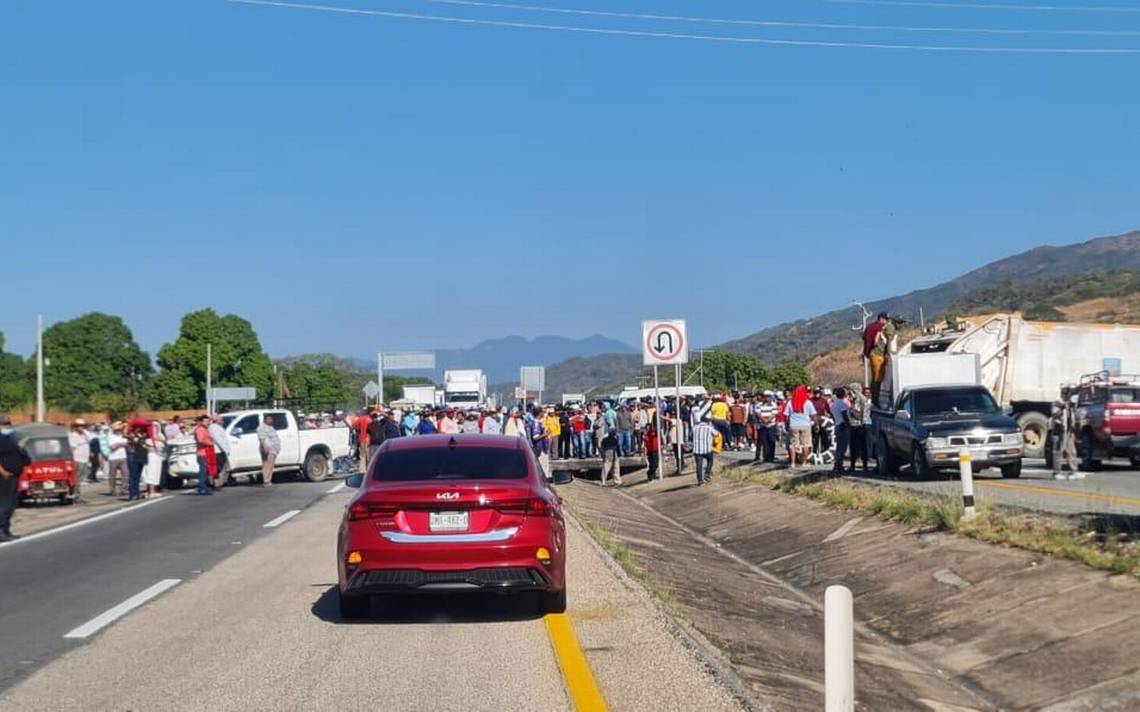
column 80, row 441
column 222, row 449
column 116, row 460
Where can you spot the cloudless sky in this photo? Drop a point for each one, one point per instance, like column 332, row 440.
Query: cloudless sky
column 352, row 182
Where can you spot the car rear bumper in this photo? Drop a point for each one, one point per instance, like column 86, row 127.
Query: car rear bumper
column 499, row 578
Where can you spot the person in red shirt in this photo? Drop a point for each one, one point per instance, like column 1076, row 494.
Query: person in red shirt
column 581, row 437
column 205, row 450
column 652, row 449
column 362, row 424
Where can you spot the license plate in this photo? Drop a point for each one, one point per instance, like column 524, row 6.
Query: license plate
column 447, row 521
column 48, row 484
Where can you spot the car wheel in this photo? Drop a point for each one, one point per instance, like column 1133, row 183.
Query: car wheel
column 353, row 607
column 1011, row 471
column 1034, row 429
column 173, row 483
column 1136, row 461
column 1088, row 451
column 552, row 601
column 316, row 467
column 884, row 460
column 918, row 467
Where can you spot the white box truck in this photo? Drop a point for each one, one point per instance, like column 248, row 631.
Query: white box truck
column 1025, row 363
column 464, row 389
column 421, row 396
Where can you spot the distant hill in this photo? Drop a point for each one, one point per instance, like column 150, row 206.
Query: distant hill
column 806, row 338
column 501, row 358
column 1100, row 297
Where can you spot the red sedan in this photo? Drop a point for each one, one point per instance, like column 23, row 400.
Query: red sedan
column 452, row 513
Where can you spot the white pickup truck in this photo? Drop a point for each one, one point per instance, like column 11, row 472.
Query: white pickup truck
column 312, row 452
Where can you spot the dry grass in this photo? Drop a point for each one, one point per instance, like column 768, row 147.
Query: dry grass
column 1116, row 552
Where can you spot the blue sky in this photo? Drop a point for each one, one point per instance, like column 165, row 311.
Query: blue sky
column 353, row 182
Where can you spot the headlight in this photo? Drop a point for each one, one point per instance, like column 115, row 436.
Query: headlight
column 1012, row 438
column 936, row 443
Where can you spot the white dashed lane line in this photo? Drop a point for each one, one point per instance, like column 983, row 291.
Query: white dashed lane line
column 111, row 615
column 282, row 519
column 336, row 489
column 82, row 522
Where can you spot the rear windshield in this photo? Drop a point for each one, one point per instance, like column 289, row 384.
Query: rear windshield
column 1124, row 395
column 443, row 463
column 954, row 401
column 47, row 450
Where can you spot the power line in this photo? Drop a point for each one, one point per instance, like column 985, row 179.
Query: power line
column 987, row 6
column 686, row 36
column 777, row 23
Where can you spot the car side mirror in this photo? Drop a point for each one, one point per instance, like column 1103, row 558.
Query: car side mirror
column 1007, row 410
column 236, row 432
column 903, row 414
column 354, row 481
column 561, row 477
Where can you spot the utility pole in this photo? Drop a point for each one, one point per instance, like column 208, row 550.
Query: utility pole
column 40, row 369
column 209, row 374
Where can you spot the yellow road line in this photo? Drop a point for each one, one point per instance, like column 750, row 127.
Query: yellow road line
column 575, row 670
column 1061, row 493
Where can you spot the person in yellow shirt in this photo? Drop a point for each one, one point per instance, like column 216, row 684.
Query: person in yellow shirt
column 718, row 413
column 553, row 429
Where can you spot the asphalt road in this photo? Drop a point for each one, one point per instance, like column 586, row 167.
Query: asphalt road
column 222, row 613
column 57, row 580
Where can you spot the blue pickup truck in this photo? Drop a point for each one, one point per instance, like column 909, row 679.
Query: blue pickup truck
column 929, row 425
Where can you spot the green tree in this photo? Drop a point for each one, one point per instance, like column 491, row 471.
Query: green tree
column 238, row 360
column 91, row 358
column 321, row 386
column 15, row 387
column 788, row 375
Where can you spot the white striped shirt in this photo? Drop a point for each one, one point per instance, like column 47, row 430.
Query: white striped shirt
column 703, row 438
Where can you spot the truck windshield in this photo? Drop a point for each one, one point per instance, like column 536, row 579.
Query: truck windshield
column 1124, row 395
column 953, row 401
column 463, row 397
column 446, row 463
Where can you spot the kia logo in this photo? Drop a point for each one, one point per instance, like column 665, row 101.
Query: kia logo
column 447, row 495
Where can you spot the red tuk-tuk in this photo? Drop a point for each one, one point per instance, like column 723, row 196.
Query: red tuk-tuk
column 51, row 474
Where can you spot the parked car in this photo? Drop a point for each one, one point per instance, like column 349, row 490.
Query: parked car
column 446, row 514
column 1108, row 419
column 51, row 474
column 311, row 451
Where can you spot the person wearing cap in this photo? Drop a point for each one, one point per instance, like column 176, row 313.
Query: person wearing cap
column 491, row 424
column 447, row 424
column 13, row 460
column 703, row 436
column 80, row 442
column 426, row 426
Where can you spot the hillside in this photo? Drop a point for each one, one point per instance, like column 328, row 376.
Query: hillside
column 1102, row 297
column 806, row 338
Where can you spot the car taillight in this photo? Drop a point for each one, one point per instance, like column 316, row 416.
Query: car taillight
column 533, row 506
column 370, row 510
column 70, row 466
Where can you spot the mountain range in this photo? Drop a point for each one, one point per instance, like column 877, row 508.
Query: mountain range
column 500, row 359
column 805, row 339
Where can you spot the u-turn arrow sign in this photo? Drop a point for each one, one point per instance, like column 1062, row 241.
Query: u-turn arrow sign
column 664, row 342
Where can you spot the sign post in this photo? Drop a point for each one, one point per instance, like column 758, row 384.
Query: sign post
column 533, row 378
column 664, row 342
column 401, row 361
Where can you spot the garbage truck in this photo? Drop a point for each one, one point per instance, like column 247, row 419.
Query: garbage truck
column 1024, row 363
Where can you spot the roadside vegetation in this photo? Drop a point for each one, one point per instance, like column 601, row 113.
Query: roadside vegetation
column 607, row 538
column 1103, row 547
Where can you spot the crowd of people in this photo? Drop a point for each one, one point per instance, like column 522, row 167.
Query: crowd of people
column 811, row 427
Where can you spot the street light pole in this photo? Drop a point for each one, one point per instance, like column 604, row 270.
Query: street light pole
column 40, row 369
column 209, row 374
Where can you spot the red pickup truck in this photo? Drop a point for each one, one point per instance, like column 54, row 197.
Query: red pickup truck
column 1108, row 419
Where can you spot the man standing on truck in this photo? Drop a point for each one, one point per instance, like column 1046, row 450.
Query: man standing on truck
column 876, row 341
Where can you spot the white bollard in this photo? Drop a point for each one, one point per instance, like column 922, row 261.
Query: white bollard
column 966, row 470
column 839, row 649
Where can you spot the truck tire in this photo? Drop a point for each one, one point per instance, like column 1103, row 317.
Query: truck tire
column 1011, row 471
column 316, row 467
column 1034, row 432
column 885, row 462
column 1089, row 463
column 919, row 470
